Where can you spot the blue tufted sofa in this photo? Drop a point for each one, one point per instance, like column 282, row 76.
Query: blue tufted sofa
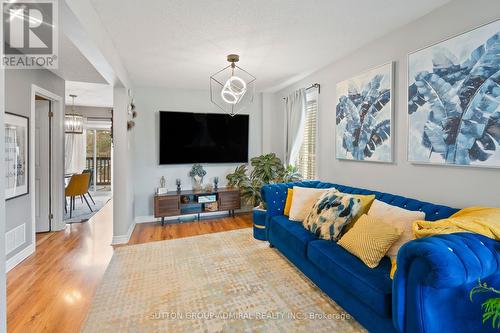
column 430, row 290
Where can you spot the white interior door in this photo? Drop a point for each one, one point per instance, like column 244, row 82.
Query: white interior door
column 42, row 165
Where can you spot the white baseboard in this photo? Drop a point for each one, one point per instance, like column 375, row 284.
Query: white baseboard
column 123, row 239
column 145, row 219
column 19, row 257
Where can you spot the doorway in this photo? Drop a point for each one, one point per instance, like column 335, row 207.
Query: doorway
column 43, row 164
column 90, row 153
column 46, row 149
column 99, row 154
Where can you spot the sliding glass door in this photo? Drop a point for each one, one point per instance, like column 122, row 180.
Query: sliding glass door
column 98, row 158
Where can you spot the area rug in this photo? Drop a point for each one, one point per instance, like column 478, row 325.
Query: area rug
column 222, row 282
column 82, row 213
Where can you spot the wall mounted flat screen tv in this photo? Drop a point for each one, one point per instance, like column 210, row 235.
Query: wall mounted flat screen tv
column 187, row 138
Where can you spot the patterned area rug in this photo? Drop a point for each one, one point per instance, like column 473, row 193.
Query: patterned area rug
column 222, row 282
column 82, row 213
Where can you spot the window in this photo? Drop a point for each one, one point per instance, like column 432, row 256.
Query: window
column 306, row 161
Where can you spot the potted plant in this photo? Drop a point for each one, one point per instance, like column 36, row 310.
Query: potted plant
column 490, row 307
column 266, row 169
column 197, row 173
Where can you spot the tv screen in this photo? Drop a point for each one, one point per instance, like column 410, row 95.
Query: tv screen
column 203, row 138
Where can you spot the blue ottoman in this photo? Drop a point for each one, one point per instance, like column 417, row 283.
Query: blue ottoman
column 259, row 224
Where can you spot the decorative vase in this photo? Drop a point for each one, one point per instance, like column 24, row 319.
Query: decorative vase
column 198, row 181
column 197, row 173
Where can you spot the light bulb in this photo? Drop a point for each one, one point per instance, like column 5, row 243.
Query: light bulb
column 234, row 90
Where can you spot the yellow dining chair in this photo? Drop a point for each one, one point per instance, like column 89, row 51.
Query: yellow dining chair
column 78, row 186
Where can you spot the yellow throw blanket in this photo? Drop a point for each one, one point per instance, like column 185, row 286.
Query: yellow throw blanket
column 479, row 220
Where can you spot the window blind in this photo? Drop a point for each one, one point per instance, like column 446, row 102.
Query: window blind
column 306, row 161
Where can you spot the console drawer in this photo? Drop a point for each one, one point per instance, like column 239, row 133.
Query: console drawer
column 229, row 200
column 167, row 205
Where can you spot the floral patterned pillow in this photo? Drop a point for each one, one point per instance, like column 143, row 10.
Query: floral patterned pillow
column 331, row 213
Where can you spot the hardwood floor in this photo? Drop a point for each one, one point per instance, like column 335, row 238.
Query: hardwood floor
column 52, row 290
column 148, row 232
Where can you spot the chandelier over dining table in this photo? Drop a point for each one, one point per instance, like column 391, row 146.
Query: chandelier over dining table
column 73, row 122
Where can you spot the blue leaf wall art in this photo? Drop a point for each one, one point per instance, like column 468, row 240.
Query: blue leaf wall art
column 364, row 116
column 454, row 100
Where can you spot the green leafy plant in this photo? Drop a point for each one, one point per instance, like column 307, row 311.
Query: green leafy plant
column 238, row 176
column 490, row 307
column 290, row 174
column 197, row 170
column 266, row 169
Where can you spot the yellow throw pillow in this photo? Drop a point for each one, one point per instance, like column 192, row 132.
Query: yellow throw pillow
column 288, row 203
column 394, row 266
column 366, row 202
column 369, row 239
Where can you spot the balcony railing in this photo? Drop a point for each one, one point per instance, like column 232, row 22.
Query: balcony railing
column 103, row 170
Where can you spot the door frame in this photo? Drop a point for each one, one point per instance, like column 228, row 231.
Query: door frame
column 57, row 158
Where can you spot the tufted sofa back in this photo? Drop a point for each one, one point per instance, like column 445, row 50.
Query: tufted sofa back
column 275, row 196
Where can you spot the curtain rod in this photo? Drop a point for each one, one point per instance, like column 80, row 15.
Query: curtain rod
column 314, row 85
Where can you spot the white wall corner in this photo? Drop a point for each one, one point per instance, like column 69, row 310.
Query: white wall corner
column 19, row 257
column 123, row 239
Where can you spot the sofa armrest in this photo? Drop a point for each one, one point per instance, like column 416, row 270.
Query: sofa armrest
column 429, row 269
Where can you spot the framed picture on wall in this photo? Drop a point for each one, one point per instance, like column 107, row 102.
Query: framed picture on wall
column 454, row 100
column 364, row 116
column 16, row 155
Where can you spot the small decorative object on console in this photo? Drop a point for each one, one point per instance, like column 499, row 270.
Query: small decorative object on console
column 178, row 183
column 216, row 183
column 161, row 190
column 208, row 188
column 197, row 173
column 211, row 207
column 207, row 198
column 163, row 186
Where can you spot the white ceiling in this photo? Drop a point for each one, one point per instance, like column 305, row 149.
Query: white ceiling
column 179, row 44
column 73, row 65
column 89, row 94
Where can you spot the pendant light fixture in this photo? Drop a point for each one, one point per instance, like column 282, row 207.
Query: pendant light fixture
column 73, row 122
column 232, row 88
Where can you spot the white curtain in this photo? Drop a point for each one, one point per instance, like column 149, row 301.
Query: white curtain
column 75, row 151
column 295, row 111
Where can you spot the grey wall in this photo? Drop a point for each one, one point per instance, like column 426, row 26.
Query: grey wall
column 18, row 100
column 147, row 169
column 3, row 297
column 455, row 186
column 123, row 169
